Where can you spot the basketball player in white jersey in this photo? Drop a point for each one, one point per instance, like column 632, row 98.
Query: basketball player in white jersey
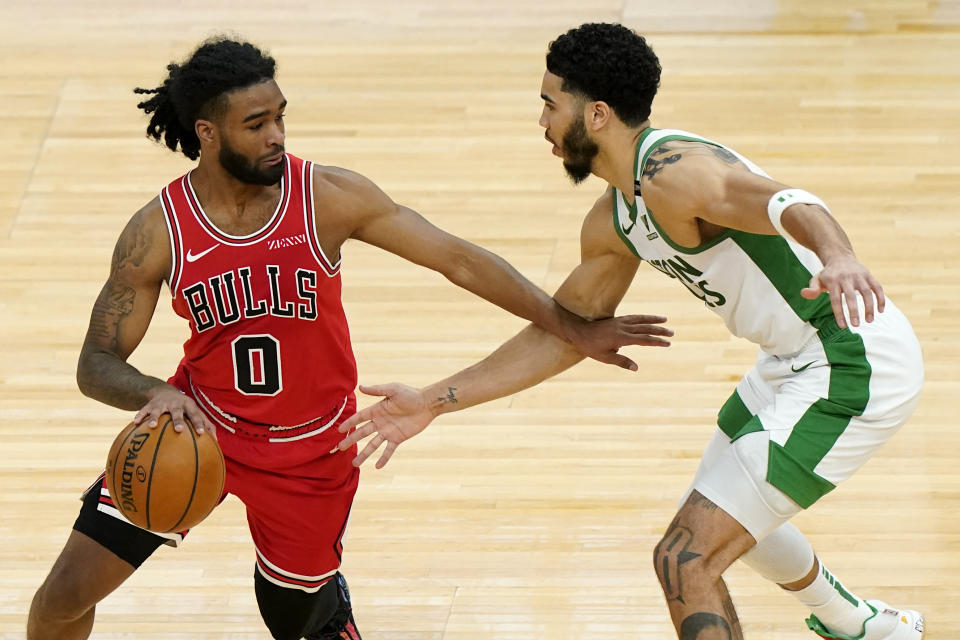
column 838, row 372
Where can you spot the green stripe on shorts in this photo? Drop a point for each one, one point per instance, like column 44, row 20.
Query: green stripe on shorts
column 791, row 466
column 735, row 418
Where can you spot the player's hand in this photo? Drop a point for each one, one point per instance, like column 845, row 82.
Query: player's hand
column 402, row 414
column 843, row 277
column 601, row 339
column 168, row 399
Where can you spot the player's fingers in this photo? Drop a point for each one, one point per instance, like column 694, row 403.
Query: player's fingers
column 836, row 303
column 649, row 330
column 197, row 419
column 621, row 361
column 344, row 444
column 866, row 292
column 641, row 319
column 176, row 413
column 853, row 308
column 378, row 389
column 153, row 417
column 649, row 341
column 386, row 455
column 143, row 413
column 368, row 450
column 813, row 289
column 356, row 436
column 878, row 291
column 354, row 420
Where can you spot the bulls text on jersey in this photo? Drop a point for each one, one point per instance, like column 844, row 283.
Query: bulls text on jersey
column 228, row 297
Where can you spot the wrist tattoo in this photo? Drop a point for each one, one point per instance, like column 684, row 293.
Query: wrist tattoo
column 451, row 396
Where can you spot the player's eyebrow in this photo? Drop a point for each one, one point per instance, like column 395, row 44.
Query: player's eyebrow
column 547, row 98
column 260, row 114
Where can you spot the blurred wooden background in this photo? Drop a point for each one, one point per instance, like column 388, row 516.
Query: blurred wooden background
column 534, row 516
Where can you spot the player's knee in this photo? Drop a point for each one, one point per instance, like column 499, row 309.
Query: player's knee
column 679, row 561
column 290, row 614
column 60, row 600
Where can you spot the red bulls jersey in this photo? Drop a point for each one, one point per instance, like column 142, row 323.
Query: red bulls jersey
column 269, row 348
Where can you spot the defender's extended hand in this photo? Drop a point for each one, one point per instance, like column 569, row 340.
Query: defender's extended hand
column 601, row 339
column 402, row 414
column 843, row 278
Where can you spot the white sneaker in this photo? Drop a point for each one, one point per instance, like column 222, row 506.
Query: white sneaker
column 886, row 623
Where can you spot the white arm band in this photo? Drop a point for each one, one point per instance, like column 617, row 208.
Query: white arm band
column 783, row 199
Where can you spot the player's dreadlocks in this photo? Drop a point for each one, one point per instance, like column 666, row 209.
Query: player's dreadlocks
column 607, row 62
column 198, row 88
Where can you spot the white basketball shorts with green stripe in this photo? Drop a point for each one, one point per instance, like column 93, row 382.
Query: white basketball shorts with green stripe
column 798, row 426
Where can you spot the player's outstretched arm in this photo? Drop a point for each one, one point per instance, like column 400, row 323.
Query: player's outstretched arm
column 404, row 232
column 593, row 289
column 716, row 185
column 119, row 320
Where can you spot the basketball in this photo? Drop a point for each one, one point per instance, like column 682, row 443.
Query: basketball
column 162, row 480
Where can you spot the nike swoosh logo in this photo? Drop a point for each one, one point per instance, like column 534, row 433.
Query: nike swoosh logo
column 795, row 370
column 627, row 229
column 193, row 257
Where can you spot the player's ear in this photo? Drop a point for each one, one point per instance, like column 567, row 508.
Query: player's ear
column 597, row 114
column 205, row 130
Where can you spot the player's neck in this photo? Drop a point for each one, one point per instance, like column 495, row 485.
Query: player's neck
column 616, row 160
column 220, row 191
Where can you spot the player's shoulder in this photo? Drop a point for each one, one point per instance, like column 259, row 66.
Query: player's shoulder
column 682, row 176
column 144, row 241
column 149, row 218
column 597, row 234
column 342, row 188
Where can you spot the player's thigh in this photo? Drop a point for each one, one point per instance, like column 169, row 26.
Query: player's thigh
column 297, row 517
column 84, row 574
column 101, row 552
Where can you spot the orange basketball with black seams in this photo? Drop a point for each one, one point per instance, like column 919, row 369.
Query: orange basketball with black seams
column 162, row 480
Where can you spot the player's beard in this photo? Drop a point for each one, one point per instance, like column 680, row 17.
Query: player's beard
column 578, row 151
column 245, row 171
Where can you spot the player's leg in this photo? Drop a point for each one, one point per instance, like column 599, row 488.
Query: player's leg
column 699, row 545
column 291, row 614
column 786, row 558
column 101, row 552
column 297, row 519
column 825, row 423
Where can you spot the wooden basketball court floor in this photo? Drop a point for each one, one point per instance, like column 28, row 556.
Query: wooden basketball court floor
column 534, row 516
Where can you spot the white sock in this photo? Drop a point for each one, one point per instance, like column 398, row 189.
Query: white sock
column 784, row 556
column 839, row 610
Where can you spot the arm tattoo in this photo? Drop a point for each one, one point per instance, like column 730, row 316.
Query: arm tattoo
column 132, row 247
column 691, row 627
column 724, row 155
column 102, row 372
column 113, row 305
column 451, row 397
column 658, row 160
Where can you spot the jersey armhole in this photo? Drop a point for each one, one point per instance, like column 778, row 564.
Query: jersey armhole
column 176, row 241
column 615, row 197
column 331, row 269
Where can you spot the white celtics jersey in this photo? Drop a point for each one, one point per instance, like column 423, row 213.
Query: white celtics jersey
column 752, row 281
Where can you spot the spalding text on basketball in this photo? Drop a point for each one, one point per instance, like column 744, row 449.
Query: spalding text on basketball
column 126, row 478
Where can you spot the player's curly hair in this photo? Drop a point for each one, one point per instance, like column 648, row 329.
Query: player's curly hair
column 197, row 89
column 610, row 63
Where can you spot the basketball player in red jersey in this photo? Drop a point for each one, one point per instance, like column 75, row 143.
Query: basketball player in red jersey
column 249, row 244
